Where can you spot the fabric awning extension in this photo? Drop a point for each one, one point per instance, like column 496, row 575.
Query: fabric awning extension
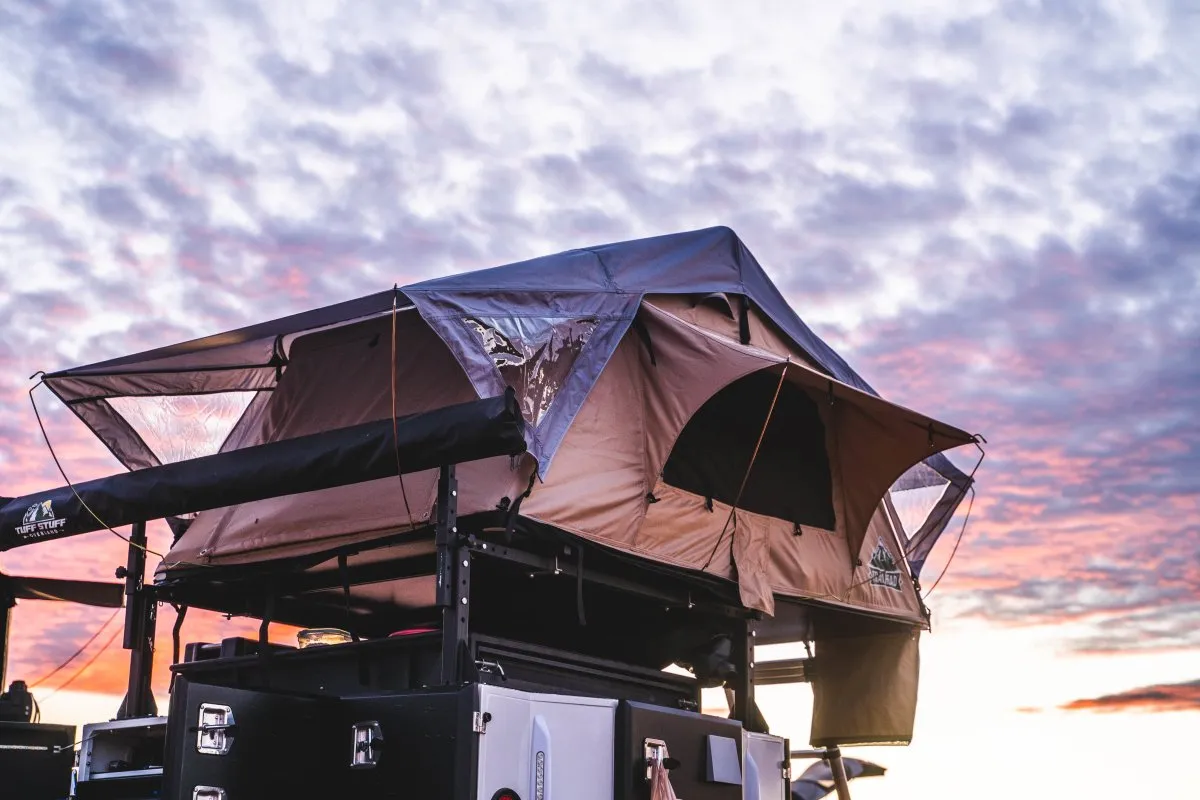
column 455, row 434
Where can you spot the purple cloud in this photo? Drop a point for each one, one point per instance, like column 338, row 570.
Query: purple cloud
column 994, row 220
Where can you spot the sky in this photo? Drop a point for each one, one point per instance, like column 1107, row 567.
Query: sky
column 988, row 207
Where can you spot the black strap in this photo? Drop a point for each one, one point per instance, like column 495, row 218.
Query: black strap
column 514, row 510
column 579, row 585
column 176, row 633
column 644, row 334
column 264, row 644
column 344, row 573
column 364, row 673
column 744, row 321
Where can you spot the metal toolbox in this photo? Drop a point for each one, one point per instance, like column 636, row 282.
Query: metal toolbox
column 121, row 759
column 452, row 744
column 410, row 663
column 707, row 752
column 539, row 746
column 35, row 760
column 226, row 744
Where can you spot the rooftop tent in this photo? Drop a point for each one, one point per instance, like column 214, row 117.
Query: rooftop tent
column 647, row 372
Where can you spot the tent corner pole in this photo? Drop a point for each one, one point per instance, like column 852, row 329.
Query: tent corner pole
column 744, row 708
column 453, row 579
column 838, row 768
column 6, row 607
column 140, row 620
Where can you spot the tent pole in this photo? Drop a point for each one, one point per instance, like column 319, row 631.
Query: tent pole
column 838, row 768
column 140, row 619
column 6, row 607
column 744, row 708
column 453, row 581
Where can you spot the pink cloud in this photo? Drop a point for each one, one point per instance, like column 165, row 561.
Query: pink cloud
column 1161, row 697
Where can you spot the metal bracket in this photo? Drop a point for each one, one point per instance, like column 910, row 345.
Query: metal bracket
column 555, row 570
column 208, row 793
column 655, row 750
column 214, row 733
column 492, row 667
column 367, row 738
column 479, row 721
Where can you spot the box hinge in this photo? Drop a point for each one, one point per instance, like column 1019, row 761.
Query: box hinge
column 479, row 721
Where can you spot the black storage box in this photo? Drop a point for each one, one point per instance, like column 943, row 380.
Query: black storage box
column 708, row 751
column 36, row 760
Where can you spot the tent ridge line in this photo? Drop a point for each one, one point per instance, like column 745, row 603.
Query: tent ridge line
column 92, row 398
column 180, row 348
column 516, row 288
column 556, row 315
column 608, row 275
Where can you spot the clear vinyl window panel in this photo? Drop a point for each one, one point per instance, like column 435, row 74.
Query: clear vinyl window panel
column 179, row 427
column 534, row 355
column 913, row 506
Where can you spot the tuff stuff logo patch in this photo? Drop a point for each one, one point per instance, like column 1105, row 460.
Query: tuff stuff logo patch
column 884, row 571
column 39, row 521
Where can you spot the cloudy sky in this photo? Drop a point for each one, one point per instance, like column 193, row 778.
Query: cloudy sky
column 990, row 208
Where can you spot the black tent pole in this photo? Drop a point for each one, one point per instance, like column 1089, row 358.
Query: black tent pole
column 745, row 708
column 453, row 580
column 6, row 606
column 140, row 618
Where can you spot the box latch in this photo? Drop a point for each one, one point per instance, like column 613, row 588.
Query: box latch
column 368, row 741
column 214, row 733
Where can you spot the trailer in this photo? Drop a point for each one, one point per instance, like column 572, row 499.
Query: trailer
column 524, row 516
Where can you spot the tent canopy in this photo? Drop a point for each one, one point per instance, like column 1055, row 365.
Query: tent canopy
column 627, row 360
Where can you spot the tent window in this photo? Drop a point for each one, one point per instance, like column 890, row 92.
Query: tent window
column 533, row 355
column 791, row 477
column 178, row 427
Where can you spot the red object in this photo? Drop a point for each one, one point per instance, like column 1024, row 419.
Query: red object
column 412, row 631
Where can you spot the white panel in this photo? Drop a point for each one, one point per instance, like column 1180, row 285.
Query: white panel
column 767, row 753
column 573, row 735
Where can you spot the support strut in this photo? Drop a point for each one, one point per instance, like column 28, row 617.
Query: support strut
column 140, row 619
column 453, row 580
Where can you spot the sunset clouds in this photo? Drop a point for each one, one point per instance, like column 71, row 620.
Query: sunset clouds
column 1161, row 697
column 989, row 208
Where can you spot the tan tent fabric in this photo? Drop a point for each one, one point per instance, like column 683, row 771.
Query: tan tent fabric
column 624, row 432
column 883, row 581
column 715, row 314
column 340, row 377
column 606, row 483
column 636, row 405
column 865, row 689
column 719, row 314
